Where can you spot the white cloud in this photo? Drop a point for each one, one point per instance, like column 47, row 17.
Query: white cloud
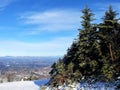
column 48, row 48
column 5, row 3
column 54, row 20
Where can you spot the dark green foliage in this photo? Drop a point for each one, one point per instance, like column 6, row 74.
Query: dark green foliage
column 88, row 45
column 109, row 31
column 58, row 73
column 96, row 52
column 70, row 56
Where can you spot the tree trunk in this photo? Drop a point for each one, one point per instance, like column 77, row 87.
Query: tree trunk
column 111, row 53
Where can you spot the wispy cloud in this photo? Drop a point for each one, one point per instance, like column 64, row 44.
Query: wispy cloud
column 53, row 20
column 54, row 47
column 5, row 3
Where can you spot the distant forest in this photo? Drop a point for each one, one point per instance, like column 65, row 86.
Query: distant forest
column 95, row 54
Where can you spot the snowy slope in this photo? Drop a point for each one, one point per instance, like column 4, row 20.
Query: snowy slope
column 26, row 85
column 35, row 85
column 23, row 85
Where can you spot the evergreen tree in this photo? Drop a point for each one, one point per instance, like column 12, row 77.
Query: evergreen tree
column 109, row 31
column 58, row 73
column 94, row 54
column 88, row 53
column 70, row 56
column 71, row 62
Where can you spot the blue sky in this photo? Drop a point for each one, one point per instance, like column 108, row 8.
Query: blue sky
column 44, row 27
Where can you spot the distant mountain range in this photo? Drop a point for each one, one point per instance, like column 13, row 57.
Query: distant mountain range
column 26, row 61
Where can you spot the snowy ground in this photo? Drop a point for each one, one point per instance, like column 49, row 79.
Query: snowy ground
column 26, row 85
column 35, row 85
column 23, row 85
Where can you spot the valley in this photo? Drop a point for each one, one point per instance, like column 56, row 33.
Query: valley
column 24, row 68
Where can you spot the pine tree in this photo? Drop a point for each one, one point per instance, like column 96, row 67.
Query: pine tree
column 70, row 56
column 88, row 52
column 58, row 73
column 64, row 68
column 109, row 43
column 94, row 54
column 72, row 66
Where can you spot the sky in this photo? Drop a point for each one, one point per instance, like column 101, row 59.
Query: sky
column 44, row 27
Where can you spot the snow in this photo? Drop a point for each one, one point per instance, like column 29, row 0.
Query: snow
column 23, row 85
column 35, row 85
column 86, row 86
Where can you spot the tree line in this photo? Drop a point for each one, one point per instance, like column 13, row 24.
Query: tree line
column 95, row 54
